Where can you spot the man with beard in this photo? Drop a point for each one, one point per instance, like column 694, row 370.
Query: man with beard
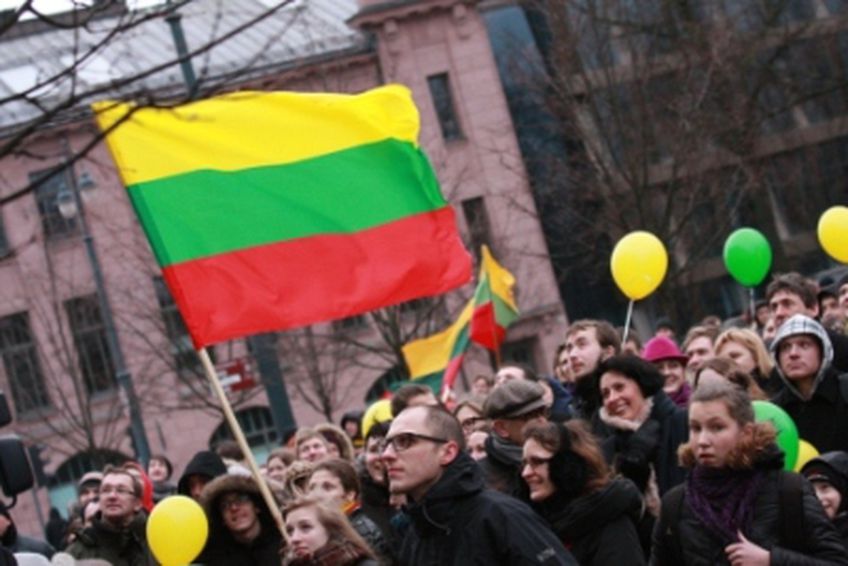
column 588, row 343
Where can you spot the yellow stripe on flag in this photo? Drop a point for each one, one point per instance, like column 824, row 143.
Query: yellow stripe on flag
column 432, row 354
column 273, row 128
column 501, row 281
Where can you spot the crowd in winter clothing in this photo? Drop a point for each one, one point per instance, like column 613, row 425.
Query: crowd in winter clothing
column 626, row 454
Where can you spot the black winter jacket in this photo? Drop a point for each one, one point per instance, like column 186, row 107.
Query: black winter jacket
column 624, row 449
column 702, row 548
column 600, row 528
column 823, row 419
column 459, row 522
column 371, row 534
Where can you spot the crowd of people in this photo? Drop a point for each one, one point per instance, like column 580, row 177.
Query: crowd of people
column 628, row 453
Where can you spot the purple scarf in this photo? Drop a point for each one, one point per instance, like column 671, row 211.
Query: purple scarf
column 681, row 396
column 723, row 499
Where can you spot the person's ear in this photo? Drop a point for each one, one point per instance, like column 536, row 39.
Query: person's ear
column 450, row 450
column 350, row 496
column 748, row 431
column 607, row 352
column 499, row 428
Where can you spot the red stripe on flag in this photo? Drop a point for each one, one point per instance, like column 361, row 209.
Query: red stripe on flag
column 299, row 282
column 451, row 371
column 484, row 327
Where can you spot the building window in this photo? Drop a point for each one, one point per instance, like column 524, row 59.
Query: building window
column 259, row 431
column 520, row 352
column 95, row 360
column 477, row 219
column 354, row 322
column 47, row 189
column 445, row 110
column 4, row 243
column 20, row 359
column 186, row 360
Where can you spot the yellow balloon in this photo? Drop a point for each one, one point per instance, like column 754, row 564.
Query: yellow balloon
column 833, row 232
column 639, row 263
column 379, row 412
column 806, row 452
column 177, row 530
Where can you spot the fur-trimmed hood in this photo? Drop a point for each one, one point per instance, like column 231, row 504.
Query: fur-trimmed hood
column 222, row 485
column 794, row 326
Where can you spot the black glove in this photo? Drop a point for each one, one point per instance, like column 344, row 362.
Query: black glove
column 637, row 453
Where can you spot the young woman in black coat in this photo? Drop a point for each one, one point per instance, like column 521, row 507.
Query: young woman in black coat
column 569, row 484
column 732, row 508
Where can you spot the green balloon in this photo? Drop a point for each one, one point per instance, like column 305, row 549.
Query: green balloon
column 747, row 256
column 787, row 432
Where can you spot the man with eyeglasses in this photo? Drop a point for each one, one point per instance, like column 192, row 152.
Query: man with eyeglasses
column 510, row 407
column 241, row 528
column 117, row 533
column 454, row 519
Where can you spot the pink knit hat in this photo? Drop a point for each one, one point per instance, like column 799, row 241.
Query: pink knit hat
column 661, row 348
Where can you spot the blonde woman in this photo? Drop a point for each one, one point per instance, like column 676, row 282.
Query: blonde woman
column 748, row 351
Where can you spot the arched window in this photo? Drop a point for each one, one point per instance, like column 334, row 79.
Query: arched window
column 62, row 485
column 258, row 427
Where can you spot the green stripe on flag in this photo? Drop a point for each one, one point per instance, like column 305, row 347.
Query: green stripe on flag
column 205, row 213
column 504, row 315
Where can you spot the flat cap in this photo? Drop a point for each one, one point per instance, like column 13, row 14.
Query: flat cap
column 514, row 399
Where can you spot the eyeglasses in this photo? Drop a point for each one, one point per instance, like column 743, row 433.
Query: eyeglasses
column 406, row 440
column 534, row 462
column 469, row 423
column 235, row 500
column 122, row 491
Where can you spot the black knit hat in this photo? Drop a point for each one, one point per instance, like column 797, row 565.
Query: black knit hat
column 826, row 468
column 645, row 374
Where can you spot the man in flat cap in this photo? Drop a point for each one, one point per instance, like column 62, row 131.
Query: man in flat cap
column 510, row 407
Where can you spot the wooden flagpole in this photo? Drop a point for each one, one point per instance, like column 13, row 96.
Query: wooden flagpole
column 212, row 376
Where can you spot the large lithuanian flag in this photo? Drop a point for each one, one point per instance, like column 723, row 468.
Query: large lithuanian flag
column 274, row 210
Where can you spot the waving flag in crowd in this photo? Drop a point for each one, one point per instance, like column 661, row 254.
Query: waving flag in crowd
column 494, row 303
column 437, row 359
column 272, row 210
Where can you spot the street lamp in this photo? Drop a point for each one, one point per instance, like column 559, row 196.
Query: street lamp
column 70, row 204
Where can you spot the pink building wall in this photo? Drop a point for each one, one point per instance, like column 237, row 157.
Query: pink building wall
column 413, row 43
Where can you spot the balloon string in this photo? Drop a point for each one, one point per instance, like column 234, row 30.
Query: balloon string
column 752, row 306
column 627, row 322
